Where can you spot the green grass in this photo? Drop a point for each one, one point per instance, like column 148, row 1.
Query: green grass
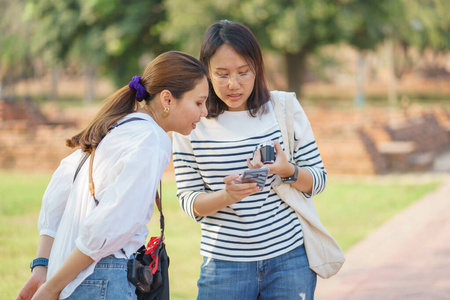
column 350, row 209
column 21, row 193
column 20, row 201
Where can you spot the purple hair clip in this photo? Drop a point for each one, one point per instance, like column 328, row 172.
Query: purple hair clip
column 141, row 92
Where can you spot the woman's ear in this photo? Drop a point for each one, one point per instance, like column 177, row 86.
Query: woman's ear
column 166, row 98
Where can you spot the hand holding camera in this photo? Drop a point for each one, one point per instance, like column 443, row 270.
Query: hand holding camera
column 270, row 155
column 267, row 152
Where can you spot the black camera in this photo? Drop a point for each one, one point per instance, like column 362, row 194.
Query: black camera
column 139, row 275
column 268, row 153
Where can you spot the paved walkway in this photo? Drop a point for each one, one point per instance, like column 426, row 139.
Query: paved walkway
column 406, row 258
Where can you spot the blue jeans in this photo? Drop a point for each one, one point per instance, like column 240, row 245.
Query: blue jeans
column 285, row 277
column 108, row 282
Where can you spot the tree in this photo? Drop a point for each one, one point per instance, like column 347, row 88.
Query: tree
column 15, row 55
column 110, row 36
column 370, row 23
column 294, row 28
column 297, row 29
column 427, row 28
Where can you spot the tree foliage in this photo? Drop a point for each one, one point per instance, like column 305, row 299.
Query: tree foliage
column 369, row 23
column 15, row 55
column 294, row 28
column 113, row 36
column 110, row 34
column 426, row 25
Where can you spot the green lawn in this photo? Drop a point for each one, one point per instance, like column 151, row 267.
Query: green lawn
column 350, row 209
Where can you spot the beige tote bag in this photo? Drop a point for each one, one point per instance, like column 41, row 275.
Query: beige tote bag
column 324, row 254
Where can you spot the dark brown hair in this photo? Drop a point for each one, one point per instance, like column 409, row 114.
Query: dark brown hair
column 245, row 44
column 174, row 71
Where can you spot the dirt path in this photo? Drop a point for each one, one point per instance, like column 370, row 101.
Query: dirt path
column 406, row 258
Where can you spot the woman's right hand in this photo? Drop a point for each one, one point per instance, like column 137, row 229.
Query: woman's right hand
column 46, row 292
column 207, row 204
column 36, row 279
column 236, row 191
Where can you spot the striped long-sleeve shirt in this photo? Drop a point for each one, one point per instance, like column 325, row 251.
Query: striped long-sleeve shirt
column 260, row 226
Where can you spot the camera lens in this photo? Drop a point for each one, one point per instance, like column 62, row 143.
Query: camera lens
column 144, row 275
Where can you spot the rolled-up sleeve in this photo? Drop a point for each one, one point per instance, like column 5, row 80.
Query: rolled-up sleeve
column 56, row 195
column 189, row 181
column 126, row 205
column 306, row 152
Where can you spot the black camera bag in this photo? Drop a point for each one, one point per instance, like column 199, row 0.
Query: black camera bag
column 159, row 288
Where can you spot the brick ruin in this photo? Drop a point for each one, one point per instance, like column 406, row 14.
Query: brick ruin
column 351, row 140
column 30, row 140
column 380, row 140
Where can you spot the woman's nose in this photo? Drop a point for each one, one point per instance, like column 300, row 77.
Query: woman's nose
column 204, row 111
column 233, row 82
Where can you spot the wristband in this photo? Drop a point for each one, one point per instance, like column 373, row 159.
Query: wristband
column 41, row 261
column 291, row 179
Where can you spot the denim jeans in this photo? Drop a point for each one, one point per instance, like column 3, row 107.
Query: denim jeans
column 285, row 277
column 108, row 282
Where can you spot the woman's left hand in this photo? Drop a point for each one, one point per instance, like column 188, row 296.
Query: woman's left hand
column 37, row 278
column 281, row 166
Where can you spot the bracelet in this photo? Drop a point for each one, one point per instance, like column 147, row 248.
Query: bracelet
column 41, row 261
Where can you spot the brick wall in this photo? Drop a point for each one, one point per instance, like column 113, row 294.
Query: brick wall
column 348, row 139
column 31, row 141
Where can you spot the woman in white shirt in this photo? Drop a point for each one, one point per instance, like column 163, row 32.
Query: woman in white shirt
column 252, row 241
column 87, row 246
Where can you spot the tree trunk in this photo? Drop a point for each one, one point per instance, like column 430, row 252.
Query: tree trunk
column 392, row 85
column 296, row 70
column 360, row 80
column 89, row 75
column 2, row 90
column 53, row 93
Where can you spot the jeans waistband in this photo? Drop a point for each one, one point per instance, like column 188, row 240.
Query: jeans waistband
column 111, row 262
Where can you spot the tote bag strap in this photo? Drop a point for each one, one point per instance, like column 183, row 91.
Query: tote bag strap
column 324, row 254
column 285, row 119
column 289, row 104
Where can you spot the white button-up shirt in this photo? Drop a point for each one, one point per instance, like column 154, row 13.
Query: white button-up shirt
column 128, row 165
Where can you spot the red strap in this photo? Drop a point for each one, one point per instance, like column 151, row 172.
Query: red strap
column 152, row 245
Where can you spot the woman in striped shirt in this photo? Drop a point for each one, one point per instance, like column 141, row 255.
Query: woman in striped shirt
column 252, row 241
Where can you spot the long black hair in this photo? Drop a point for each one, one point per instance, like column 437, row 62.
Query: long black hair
column 242, row 40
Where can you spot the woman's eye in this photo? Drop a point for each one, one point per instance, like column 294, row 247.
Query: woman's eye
column 201, row 103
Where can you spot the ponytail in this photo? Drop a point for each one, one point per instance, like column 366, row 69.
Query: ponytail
column 120, row 104
column 174, row 71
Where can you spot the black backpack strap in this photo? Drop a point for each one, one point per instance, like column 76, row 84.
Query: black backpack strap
column 126, row 121
column 86, row 155
column 83, row 160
